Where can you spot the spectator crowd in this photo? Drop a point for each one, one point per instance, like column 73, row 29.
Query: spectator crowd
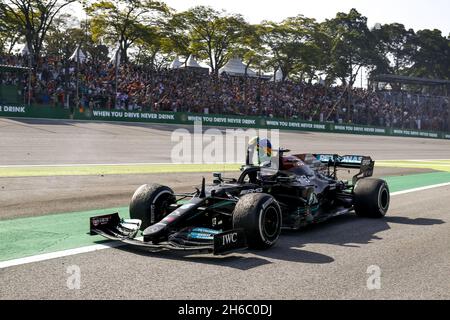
column 138, row 88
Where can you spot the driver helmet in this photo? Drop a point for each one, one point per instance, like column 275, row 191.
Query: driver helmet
column 260, row 151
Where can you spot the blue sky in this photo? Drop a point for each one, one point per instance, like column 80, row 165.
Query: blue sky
column 416, row 14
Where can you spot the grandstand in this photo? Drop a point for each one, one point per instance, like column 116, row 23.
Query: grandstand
column 391, row 101
column 428, row 96
column 433, row 86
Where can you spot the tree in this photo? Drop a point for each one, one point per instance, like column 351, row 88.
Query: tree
column 213, row 34
column 432, row 55
column 151, row 49
column 66, row 34
column 352, row 45
column 34, row 19
column 98, row 52
column 10, row 32
column 175, row 37
column 63, row 37
column 315, row 53
column 124, row 21
column 396, row 44
column 250, row 48
column 287, row 41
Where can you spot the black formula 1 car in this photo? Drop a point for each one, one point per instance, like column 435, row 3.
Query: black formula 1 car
column 251, row 211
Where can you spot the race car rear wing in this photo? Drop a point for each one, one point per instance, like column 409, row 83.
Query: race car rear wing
column 364, row 163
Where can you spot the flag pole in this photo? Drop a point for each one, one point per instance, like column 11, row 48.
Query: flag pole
column 77, row 76
column 116, row 65
column 117, row 73
column 29, row 79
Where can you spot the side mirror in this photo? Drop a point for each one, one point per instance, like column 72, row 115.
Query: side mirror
column 217, row 178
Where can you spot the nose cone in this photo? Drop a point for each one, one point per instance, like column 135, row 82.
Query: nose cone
column 154, row 230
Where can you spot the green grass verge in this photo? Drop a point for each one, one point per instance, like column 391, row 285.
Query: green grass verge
column 439, row 165
column 44, row 234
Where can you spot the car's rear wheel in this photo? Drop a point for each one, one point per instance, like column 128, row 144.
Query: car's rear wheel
column 151, row 203
column 259, row 215
column 371, row 198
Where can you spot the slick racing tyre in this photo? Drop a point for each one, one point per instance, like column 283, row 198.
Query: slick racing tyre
column 371, row 198
column 151, row 203
column 259, row 215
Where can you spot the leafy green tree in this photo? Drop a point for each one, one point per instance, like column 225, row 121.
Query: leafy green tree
column 396, row 45
column 124, row 21
column 151, row 49
column 287, row 42
column 250, row 48
column 175, row 37
column 10, row 32
column 63, row 37
column 33, row 19
column 213, row 34
column 98, row 52
column 315, row 53
column 66, row 34
column 431, row 58
column 352, row 46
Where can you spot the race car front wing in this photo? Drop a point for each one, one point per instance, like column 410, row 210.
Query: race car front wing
column 114, row 228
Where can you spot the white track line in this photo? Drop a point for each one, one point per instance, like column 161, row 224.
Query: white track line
column 116, row 244
column 114, row 164
column 403, row 160
column 59, row 254
column 420, row 189
column 426, row 160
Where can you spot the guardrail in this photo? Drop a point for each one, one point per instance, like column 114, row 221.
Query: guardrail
column 40, row 112
column 209, row 120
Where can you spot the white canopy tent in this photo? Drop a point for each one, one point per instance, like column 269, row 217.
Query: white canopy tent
column 194, row 66
column 191, row 63
column 78, row 56
column 176, row 64
column 236, row 67
column 278, row 76
column 115, row 59
column 24, row 51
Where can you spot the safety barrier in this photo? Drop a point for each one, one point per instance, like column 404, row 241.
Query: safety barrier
column 208, row 120
column 41, row 112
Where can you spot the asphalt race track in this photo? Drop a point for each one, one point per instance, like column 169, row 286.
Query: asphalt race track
column 31, row 142
column 326, row 262
column 329, row 261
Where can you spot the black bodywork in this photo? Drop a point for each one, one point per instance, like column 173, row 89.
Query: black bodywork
column 306, row 188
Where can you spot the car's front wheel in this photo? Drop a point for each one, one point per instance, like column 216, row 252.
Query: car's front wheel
column 151, row 203
column 259, row 215
column 371, row 198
